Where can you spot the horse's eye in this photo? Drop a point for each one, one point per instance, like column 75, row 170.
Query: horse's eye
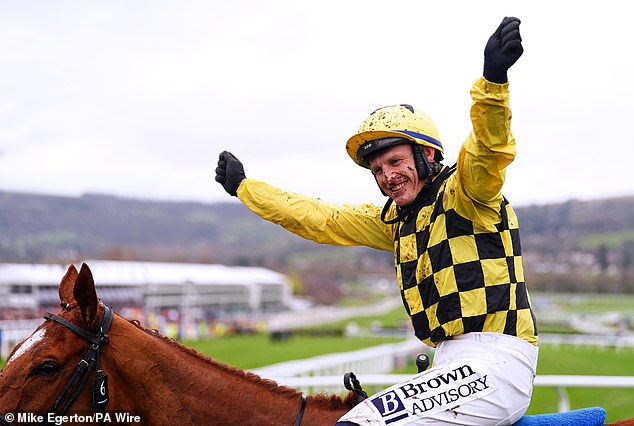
column 47, row 368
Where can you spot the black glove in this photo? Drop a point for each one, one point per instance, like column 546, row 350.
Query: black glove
column 502, row 50
column 229, row 172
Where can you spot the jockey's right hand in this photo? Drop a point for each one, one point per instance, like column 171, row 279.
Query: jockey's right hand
column 229, row 172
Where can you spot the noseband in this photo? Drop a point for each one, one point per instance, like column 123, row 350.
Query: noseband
column 91, row 358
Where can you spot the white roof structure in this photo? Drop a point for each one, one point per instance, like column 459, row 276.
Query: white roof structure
column 128, row 272
column 162, row 284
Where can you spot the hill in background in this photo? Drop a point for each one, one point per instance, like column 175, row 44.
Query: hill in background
column 576, row 245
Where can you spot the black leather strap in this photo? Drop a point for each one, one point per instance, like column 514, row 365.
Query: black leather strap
column 96, row 339
column 300, row 415
column 70, row 393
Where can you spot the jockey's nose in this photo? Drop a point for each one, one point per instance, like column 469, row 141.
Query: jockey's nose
column 388, row 174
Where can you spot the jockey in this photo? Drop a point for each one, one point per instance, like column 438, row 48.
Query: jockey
column 456, row 249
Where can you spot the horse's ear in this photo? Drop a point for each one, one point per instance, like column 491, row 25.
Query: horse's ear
column 86, row 295
column 67, row 285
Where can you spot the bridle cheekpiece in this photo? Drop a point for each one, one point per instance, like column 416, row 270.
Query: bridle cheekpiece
column 91, row 358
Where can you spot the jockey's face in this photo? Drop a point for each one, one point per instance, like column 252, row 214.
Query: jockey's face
column 395, row 172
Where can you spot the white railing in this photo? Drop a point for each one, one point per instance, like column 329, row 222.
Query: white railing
column 588, row 340
column 372, row 360
column 327, row 383
column 561, row 382
column 390, row 357
column 325, row 373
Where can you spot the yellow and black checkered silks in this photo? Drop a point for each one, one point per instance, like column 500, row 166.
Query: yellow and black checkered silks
column 457, row 257
column 457, row 277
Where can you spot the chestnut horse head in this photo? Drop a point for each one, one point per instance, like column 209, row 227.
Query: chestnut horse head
column 61, row 368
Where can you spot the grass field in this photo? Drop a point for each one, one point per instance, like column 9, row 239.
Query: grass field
column 253, row 351
column 589, row 303
column 619, row 403
column 248, row 352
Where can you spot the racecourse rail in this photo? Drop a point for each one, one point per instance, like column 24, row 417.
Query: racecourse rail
column 325, row 373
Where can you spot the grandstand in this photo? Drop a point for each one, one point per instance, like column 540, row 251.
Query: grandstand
column 153, row 286
column 182, row 300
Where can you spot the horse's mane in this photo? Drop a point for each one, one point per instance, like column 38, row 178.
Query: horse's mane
column 332, row 401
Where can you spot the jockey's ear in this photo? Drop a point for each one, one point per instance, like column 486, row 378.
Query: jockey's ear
column 86, row 295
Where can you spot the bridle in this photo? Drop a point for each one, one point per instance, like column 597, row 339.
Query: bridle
column 100, row 384
column 91, row 358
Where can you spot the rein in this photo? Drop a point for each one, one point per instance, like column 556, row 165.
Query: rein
column 300, row 415
column 91, row 358
column 85, row 366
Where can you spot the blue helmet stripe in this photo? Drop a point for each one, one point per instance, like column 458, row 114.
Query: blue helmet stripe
column 420, row 136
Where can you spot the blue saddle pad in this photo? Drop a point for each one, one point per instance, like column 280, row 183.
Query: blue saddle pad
column 594, row 416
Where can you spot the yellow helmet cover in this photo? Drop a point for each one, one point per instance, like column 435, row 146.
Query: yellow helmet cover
column 392, row 124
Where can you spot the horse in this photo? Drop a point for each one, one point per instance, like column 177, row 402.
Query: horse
column 144, row 377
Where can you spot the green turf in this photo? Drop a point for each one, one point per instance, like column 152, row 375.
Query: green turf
column 253, row 351
column 619, row 403
column 396, row 318
column 588, row 303
column 585, row 361
column 249, row 352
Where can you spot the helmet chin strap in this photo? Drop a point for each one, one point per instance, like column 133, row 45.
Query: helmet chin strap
column 426, row 170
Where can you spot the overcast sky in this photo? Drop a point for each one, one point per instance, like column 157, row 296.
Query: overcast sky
column 138, row 98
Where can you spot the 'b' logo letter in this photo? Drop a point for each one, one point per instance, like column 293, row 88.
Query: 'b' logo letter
column 388, row 403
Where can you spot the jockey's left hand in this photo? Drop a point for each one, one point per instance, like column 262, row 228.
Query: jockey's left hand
column 503, row 49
